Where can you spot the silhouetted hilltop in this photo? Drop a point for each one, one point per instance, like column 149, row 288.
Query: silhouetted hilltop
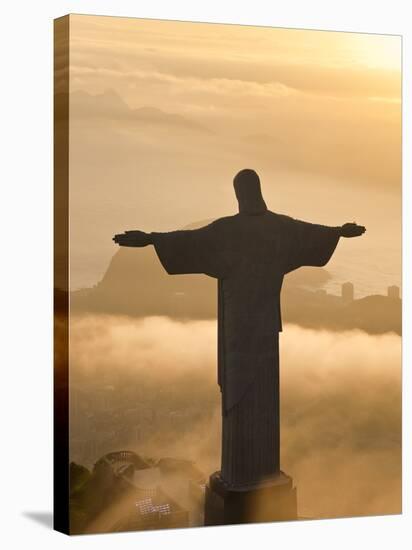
column 135, row 284
column 374, row 314
column 378, row 313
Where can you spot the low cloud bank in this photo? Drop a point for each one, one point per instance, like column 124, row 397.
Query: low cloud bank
column 340, row 403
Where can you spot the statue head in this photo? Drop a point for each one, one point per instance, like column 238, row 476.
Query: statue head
column 248, row 192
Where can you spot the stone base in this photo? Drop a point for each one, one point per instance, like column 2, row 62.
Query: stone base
column 272, row 500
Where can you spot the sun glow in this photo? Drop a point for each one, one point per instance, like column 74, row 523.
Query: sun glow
column 378, row 51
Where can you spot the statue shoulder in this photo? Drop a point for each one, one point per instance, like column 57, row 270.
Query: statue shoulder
column 280, row 219
column 221, row 223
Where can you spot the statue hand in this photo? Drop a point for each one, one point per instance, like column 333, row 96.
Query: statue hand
column 132, row 238
column 349, row 230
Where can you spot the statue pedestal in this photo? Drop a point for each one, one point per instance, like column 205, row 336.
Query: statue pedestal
column 272, row 500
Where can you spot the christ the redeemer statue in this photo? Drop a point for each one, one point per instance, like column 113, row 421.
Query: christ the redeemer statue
column 249, row 254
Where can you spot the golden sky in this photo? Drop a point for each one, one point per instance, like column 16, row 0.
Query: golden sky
column 164, row 113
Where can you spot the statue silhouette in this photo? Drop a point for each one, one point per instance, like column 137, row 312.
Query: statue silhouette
column 249, row 254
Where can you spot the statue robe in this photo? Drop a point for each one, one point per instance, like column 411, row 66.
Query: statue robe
column 249, row 256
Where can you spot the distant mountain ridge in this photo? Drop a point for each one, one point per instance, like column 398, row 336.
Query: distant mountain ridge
column 109, row 105
column 135, row 284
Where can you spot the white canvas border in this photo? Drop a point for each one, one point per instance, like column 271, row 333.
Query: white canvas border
column 26, row 275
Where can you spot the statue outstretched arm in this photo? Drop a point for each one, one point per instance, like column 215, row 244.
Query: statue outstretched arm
column 350, row 230
column 313, row 244
column 347, row 230
column 133, row 238
column 183, row 251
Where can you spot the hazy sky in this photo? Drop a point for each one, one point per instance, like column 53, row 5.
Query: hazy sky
column 163, row 114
